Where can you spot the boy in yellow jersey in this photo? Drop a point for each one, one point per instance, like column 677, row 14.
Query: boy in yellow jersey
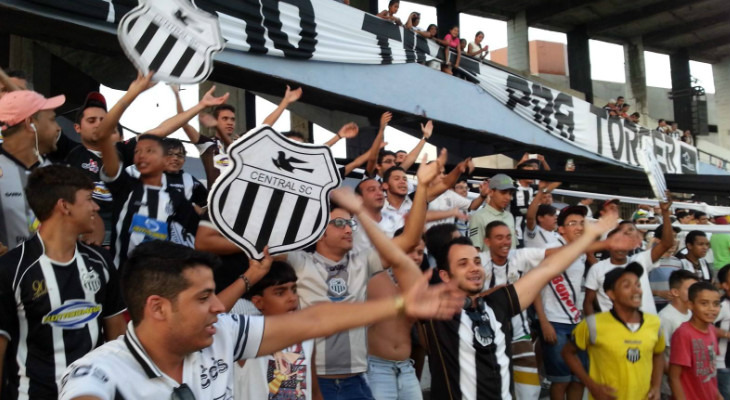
column 624, row 345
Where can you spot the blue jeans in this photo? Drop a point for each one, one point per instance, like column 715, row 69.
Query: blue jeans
column 352, row 388
column 723, row 382
column 556, row 369
column 393, row 380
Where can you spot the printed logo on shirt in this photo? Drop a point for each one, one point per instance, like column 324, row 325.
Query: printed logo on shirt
column 84, row 370
column 337, row 288
column 73, row 314
column 560, row 285
column 39, row 288
column 210, row 374
column 90, row 281
column 150, row 227
column 633, row 354
column 92, row 166
column 101, row 192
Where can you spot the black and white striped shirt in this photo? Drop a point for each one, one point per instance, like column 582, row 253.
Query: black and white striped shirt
column 465, row 365
column 52, row 313
column 144, row 212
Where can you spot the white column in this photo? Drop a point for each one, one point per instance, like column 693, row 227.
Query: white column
column 518, row 46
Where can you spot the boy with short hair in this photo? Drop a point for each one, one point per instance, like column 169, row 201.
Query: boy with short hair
column 289, row 373
column 692, row 373
column 675, row 313
column 624, row 345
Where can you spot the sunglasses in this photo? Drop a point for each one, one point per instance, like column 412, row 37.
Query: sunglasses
column 182, row 392
column 342, row 222
column 642, row 221
column 483, row 326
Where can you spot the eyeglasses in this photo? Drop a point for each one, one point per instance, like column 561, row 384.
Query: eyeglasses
column 182, row 392
column 642, row 221
column 575, row 223
column 342, row 222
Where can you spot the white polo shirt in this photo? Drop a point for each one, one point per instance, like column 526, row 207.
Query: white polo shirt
column 121, row 369
column 539, row 237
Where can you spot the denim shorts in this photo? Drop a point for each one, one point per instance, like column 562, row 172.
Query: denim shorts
column 556, row 369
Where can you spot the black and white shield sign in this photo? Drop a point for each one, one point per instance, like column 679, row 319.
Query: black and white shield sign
column 274, row 192
column 171, row 37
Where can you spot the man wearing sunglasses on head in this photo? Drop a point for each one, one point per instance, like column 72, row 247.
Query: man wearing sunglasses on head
column 337, row 273
column 470, row 355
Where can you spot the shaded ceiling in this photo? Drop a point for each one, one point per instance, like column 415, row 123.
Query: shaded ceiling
column 702, row 27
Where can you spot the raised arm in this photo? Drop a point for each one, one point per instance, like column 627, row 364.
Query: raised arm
column 411, row 157
column 375, row 147
column 531, row 217
column 170, row 125
column 8, row 83
column 529, row 286
column 190, row 132
column 667, row 233
column 420, row 301
column 356, row 163
column 348, row 131
column 413, row 229
column 109, row 123
column 256, row 270
column 290, row 96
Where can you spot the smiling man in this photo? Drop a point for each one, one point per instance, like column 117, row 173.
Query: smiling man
column 57, row 294
column 179, row 345
column 501, row 190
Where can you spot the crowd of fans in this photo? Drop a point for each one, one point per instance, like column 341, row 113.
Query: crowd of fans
column 107, row 287
column 618, row 108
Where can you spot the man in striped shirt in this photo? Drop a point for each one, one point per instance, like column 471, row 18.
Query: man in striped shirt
column 469, row 355
column 59, row 298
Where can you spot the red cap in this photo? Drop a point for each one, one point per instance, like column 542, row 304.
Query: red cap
column 18, row 105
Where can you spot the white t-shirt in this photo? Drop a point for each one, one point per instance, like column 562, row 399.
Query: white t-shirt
column 388, row 223
column 597, row 274
column 287, row 374
column 122, row 369
column 671, row 320
column 562, row 298
column 539, row 237
column 323, row 280
column 519, row 262
column 448, row 201
column 705, row 272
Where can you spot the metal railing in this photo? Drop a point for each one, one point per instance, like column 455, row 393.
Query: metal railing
column 712, row 159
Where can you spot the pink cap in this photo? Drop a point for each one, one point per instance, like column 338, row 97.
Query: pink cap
column 21, row 104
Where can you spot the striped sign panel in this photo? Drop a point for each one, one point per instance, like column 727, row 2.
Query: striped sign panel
column 274, row 192
column 172, row 38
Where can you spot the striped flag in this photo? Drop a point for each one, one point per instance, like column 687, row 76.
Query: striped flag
column 274, row 192
column 171, row 37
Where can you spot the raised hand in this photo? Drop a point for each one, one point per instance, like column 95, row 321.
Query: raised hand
column 441, row 301
column 348, row 131
column 470, row 166
column 141, row 83
column 443, row 157
column 385, row 119
column 347, row 199
column 427, row 129
column 484, row 188
column 427, row 172
column 666, row 205
column 209, row 100
column 257, row 269
column 605, row 224
column 207, row 120
column 291, row 96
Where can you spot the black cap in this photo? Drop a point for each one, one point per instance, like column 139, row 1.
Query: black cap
column 571, row 210
column 613, row 275
column 659, row 229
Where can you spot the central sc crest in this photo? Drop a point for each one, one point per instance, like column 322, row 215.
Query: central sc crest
column 274, row 192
